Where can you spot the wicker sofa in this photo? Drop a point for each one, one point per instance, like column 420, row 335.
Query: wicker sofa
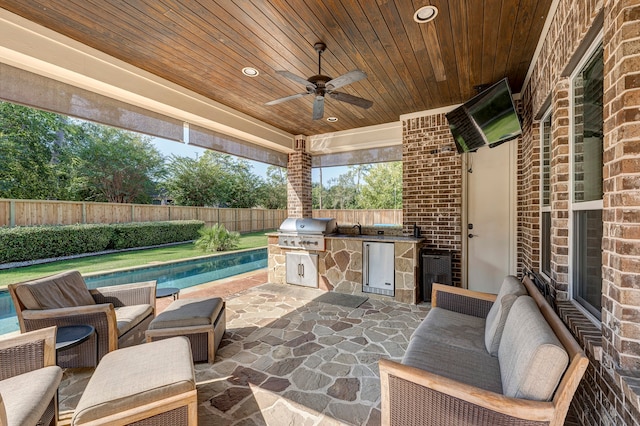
column 120, row 314
column 479, row 358
column 29, row 379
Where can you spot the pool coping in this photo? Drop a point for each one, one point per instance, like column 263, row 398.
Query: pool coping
column 169, row 262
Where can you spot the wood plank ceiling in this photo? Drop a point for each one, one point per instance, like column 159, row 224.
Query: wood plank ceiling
column 203, row 45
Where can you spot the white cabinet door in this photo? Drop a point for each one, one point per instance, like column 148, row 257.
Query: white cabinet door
column 302, row 269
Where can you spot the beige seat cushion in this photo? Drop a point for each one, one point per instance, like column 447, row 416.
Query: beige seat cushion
column 136, row 376
column 532, row 359
column 467, row 366
column 27, row 396
column 510, row 289
column 452, row 328
column 127, row 317
column 63, row 290
column 188, row 312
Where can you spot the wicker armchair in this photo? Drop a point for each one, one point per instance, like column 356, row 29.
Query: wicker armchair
column 120, row 314
column 29, row 379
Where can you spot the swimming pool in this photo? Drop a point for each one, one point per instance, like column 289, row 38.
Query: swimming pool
column 183, row 274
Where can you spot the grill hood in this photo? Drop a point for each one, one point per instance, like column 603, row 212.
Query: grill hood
column 313, row 226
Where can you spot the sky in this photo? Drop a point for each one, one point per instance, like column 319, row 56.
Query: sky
column 168, row 148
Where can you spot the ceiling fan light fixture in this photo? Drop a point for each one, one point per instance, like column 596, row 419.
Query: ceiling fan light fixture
column 250, row 72
column 425, row 14
column 332, row 119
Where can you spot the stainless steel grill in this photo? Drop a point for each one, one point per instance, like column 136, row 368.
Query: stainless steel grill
column 305, row 233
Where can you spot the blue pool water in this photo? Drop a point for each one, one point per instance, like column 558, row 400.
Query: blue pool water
column 182, row 274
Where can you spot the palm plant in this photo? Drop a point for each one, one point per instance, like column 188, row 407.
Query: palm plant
column 217, row 238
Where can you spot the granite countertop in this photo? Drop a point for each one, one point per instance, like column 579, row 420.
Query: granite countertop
column 381, row 238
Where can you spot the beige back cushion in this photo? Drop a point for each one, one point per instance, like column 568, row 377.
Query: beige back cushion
column 532, row 359
column 511, row 288
column 56, row 291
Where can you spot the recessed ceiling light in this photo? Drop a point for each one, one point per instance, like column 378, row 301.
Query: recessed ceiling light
column 332, row 119
column 250, row 72
column 425, row 14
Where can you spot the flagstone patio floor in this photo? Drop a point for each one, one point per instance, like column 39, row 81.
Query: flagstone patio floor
column 287, row 359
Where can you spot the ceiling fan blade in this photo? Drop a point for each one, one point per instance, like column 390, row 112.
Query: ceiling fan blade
column 297, row 79
column 344, row 79
column 286, row 98
column 350, row 99
column 318, row 108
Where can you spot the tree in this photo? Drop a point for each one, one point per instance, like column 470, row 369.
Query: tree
column 383, row 187
column 342, row 193
column 364, row 186
column 27, row 139
column 239, row 188
column 213, row 179
column 192, row 182
column 114, row 165
column 273, row 192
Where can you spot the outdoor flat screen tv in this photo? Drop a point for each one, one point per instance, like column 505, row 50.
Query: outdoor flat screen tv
column 489, row 118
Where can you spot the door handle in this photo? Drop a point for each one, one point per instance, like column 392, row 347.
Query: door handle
column 302, row 269
column 472, row 235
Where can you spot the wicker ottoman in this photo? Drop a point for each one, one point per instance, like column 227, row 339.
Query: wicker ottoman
column 150, row 384
column 202, row 321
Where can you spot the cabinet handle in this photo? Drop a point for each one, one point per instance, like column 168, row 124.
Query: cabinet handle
column 366, row 270
column 302, row 269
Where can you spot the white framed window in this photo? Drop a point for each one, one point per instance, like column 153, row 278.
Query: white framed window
column 587, row 128
column 545, row 194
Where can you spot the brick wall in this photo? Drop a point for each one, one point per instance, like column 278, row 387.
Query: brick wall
column 528, row 187
column 432, row 185
column 299, row 180
column 560, row 189
column 609, row 392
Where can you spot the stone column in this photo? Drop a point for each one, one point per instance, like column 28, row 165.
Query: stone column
column 621, row 186
column 560, row 190
column 299, row 180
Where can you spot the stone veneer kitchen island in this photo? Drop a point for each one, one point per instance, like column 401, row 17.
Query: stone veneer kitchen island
column 340, row 265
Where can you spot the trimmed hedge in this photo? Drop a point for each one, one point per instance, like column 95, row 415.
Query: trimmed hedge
column 143, row 234
column 41, row 242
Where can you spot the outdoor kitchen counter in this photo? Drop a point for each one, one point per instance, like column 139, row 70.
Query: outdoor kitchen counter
column 381, row 238
column 340, row 263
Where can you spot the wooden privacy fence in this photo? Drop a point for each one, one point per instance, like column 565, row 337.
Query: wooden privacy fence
column 364, row 217
column 46, row 212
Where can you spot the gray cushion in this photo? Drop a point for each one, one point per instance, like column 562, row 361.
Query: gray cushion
column 63, row 290
column 452, row 328
column 467, row 366
column 27, row 396
column 511, row 288
column 136, row 376
column 532, row 359
column 127, row 317
column 188, row 312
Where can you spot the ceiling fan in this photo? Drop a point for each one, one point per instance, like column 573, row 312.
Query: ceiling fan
column 322, row 85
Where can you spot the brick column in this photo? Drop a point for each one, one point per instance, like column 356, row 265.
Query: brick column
column 560, row 190
column 621, row 186
column 432, row 186
column 299, row 180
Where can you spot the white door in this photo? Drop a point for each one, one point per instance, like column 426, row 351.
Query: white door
column 491, row 224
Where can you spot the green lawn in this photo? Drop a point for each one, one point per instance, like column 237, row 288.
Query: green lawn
column 127, row 259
